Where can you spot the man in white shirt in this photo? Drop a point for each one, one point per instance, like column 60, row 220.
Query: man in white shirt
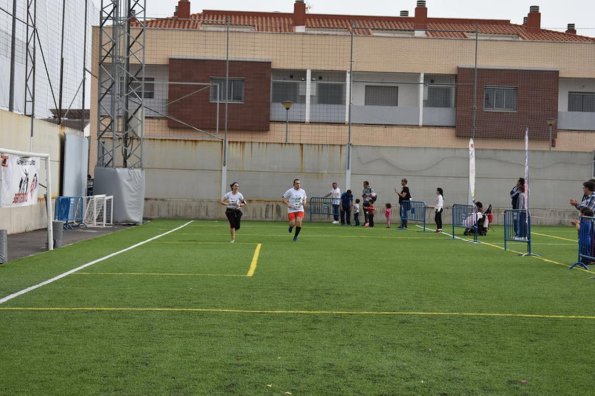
column 335, row 194
column 295, row 198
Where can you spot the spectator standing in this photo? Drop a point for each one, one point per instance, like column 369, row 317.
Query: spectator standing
column 438, row 209
column 369, row 196
column 588, row 200
column 369, row 214
column 387, row 213
column 404, row 202
column 335, row 194
column 514, row 199
column 346, row 205
column 295, row 198
column 356, row 212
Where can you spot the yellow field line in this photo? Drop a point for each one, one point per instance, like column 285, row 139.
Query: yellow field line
column 303, row 312
column 254, row 261
column 555, row 237
column 150, row 274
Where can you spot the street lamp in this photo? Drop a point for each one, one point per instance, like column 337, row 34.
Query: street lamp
column 550, row 124
column 287, row 105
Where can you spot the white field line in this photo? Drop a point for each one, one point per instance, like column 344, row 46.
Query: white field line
column 72, row 271
column 514, row 251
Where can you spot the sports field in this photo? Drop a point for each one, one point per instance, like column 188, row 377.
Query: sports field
column 171, row 307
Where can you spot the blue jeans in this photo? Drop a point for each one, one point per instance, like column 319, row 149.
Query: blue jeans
column 404, row 208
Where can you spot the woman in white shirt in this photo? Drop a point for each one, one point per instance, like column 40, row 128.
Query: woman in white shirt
column 234, row 201
column 438, row 208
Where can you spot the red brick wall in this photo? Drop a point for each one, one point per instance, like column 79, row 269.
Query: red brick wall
column 537, row 100
column 196, row 110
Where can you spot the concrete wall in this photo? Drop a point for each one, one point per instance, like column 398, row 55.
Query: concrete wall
column 47, row 138
column 184, row 178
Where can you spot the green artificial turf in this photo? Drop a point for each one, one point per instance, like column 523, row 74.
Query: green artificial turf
column 344, row 310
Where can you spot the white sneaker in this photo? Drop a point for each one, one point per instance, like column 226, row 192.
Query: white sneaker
column 335, row 222
column 233, row 241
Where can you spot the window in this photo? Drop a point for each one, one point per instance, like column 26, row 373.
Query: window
column 499, row 99
column 330, row 93
column 135, row 86
column 149, row 86
column 439, row 97
column 581, row 101
column 285, row 90
column 235, row 90
column 380, row 95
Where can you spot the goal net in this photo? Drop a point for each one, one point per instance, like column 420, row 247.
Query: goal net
column 99, row 211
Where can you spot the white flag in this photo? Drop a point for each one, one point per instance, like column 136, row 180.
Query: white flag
column 471, row 172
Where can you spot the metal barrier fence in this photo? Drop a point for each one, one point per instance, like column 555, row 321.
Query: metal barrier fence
column 320, row 206
column 417, row 212
column 517, row 227
column 465, row 216
column 70, row 210
column 586, row 243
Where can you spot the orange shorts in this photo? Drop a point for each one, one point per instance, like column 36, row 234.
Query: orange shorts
column 293, row 215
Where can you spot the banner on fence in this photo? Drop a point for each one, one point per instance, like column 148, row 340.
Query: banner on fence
column 19, row 177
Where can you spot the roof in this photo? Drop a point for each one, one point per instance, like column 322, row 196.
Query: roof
column 277, row 22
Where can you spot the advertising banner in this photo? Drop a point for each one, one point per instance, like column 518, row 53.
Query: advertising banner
column 19, row 177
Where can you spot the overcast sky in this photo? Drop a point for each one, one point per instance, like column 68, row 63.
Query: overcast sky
column 555, row 14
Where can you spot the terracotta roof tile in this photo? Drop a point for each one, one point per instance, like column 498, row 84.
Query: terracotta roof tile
column 363, row 25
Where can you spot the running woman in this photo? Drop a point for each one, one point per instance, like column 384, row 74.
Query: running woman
column 295, row 198
column 234, row 201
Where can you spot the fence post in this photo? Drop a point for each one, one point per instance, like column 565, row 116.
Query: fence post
column 58, row 231
column 3, row 246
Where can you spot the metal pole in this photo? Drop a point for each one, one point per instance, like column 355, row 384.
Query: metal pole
column 475, row 86
column 348, row 162
column 84, row 69
column 286, row 125
column 61, row 91
column 13, row 45
column 550, row 144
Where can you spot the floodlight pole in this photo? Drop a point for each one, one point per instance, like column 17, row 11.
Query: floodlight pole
column 550, row 124
column 287, row 105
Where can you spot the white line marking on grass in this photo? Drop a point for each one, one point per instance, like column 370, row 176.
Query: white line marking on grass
column 517, row 252
column 254, row 261
column 72, row 271
column 152, row 274
column 555, row 237
column 304, row 312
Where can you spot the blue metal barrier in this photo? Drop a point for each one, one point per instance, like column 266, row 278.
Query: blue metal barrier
column 320, row 206
column 417, row 212
column 69, row 210
column 464, row 216
column 517, row 227
column 586, row 243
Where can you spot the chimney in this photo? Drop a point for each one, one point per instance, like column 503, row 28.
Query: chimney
column 299, row 16
column 534, row 19
column 404, row 13
column 420, row 22
column 571, row 29
column 183, row 9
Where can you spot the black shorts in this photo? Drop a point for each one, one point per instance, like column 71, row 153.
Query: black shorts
column 234, row 216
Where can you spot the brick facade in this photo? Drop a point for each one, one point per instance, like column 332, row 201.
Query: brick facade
column 537, row 100
column 195, row 108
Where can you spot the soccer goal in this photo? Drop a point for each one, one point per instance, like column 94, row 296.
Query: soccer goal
column 99, row 211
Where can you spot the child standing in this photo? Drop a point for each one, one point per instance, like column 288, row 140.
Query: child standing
column 356, row 212
column 369, row 211
column 387, row 214
column 438, row 208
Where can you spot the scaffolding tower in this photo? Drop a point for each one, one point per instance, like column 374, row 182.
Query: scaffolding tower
column 121, row 88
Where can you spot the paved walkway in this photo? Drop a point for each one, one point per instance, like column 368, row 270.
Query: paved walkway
column 30, row 243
